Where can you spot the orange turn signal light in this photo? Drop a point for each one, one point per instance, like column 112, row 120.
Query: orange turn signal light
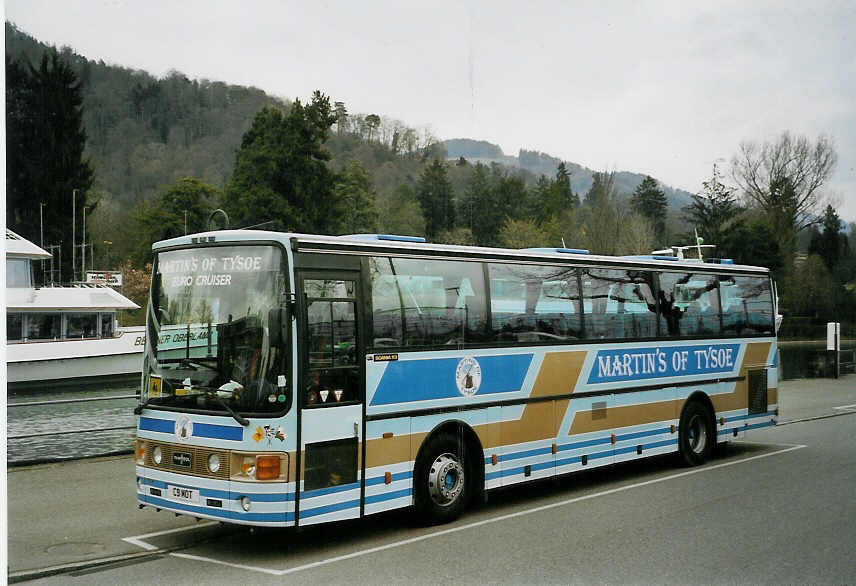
column 140, row 450
column 267, row 467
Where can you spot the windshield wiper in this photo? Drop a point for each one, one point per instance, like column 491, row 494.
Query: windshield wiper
column 212, row 394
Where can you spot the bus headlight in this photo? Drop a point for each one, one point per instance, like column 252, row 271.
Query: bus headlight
column 248, row 466
column 214, row 463
column 245, row 503
column 157, row 455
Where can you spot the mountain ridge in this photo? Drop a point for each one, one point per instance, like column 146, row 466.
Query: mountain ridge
column 540, row 163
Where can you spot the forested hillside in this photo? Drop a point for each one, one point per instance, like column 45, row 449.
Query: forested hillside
column 143, row 133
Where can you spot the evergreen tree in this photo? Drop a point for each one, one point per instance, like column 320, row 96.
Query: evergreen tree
column 281, row 172
column 712, row 210
column 600, row 217
column 752, row 243
column 565, row 196
column 554, row 197
column 476, row 196
column 435, row 195
column 828, row 244
column 354, row 194
column 45, row 141
column 183, row 208
column 650, row 201
column 402, row 214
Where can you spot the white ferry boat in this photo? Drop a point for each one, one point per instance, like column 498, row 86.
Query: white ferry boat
column 63, row 334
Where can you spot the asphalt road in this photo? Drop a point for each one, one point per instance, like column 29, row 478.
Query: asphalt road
column 778, row 509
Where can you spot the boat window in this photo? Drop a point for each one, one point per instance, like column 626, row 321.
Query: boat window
column 18, row 272
column 14, row 326
column 107, row 330
column 81, row 325
column 44, row 326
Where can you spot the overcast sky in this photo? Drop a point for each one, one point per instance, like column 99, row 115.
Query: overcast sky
column 664, row 88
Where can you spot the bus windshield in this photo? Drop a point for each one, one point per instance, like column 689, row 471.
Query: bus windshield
column 215, row 338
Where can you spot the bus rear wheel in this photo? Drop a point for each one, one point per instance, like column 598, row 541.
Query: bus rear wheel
column 696, row 434
column 442, row 484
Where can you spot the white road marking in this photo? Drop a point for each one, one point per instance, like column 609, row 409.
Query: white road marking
column 440, row 533
column 846, row 407
column 138, row 539
column 188, row 556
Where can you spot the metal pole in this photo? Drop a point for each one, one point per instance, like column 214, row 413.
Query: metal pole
column 73, row 232
column 42, row 235
column 83, row 247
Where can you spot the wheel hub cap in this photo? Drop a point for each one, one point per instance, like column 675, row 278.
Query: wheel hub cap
column 445, row 479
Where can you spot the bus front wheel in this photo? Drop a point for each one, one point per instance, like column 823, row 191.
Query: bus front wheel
column 696, row 437
column 442, row 484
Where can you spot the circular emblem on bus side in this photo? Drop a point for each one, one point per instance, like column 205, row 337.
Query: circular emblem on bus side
column 183, row 428
column 468, row 376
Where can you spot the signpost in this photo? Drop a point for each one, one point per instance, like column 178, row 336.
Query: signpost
column 833, row 344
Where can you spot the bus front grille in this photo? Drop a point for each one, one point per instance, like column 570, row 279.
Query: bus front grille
column 187, row 459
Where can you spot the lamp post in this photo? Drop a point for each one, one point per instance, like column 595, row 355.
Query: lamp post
column 107, row 245
column 73, row 233
column 83, row 246
column 42, row 233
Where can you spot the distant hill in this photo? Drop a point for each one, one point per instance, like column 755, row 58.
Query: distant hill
column 540, row 163
column 144, row 133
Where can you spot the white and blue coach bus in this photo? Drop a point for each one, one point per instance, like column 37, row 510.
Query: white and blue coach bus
column 295, row 379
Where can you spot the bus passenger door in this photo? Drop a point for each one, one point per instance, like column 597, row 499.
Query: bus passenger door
column 330, row 397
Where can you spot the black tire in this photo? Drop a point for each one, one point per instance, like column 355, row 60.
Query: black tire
column 696, row 434
column 442, row 480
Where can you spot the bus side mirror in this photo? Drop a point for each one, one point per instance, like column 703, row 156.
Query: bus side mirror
column 279, row 323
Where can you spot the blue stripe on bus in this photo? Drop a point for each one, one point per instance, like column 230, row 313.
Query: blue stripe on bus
column 215, row 512
column 760, row 425
column 407, row 381
column 752, row 416
column 329, row 490
column 576, row 459
column 225, row 432
column 387, row 496
column 638, row 434
column 209, row 430
column 158, row 425
column 331, row 508
column 263, row 497
column 380, row 479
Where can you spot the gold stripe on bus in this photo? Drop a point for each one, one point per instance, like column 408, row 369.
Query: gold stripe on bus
column 755, row 357
column 558, row 375
column 624, row 416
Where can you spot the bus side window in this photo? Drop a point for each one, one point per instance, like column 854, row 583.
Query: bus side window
column 689, row 305
column 747, row 305
column 622, row 304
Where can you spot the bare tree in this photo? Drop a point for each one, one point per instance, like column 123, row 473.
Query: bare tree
column 638, row 235
column 783, row 177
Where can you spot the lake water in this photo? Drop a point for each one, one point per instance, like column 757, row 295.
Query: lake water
column 26, row 441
